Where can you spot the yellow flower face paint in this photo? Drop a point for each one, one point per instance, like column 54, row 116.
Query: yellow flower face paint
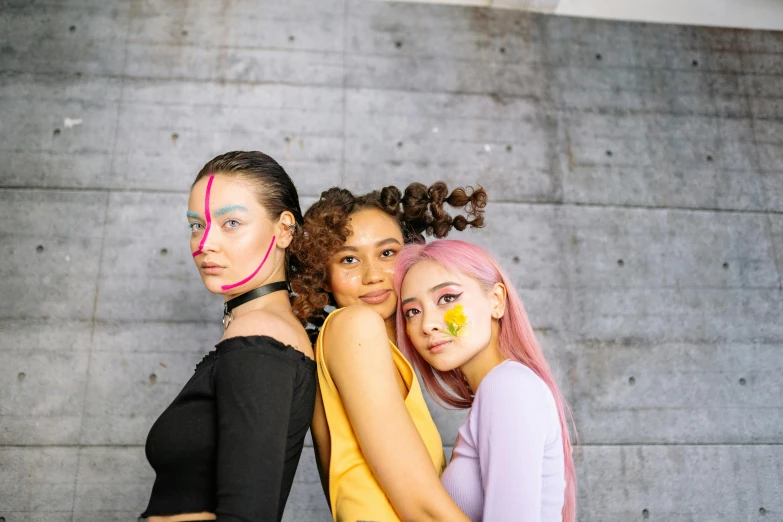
column 455, row 320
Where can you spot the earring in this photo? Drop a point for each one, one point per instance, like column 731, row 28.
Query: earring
column 292, row 225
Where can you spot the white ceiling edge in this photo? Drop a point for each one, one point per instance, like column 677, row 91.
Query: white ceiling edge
column 543, row 6
column 749, row 14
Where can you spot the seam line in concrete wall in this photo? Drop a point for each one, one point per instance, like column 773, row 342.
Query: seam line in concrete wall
column 555, row 204
column 167, row 79
column 553, row 65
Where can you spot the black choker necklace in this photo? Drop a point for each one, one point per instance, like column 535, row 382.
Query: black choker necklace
column 239, row 300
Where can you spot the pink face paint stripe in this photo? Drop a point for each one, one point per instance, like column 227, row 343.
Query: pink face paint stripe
column 209, row 217
column 251, row 276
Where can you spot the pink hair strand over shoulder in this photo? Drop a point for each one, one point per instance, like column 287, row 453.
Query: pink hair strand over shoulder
column 516, row 339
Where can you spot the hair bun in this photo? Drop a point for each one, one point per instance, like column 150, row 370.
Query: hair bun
column 391, row 197
column 438, row 193
column 460, row 222
column 423, row 210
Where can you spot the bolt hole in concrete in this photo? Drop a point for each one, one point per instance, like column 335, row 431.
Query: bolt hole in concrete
column 287, row 139
column 153, row 378
column 725, row 266
column 78, row 74
column 21, row 376
column 508, row 148
column 516, row 260
column 709, row 158
column 291, row 38
column 742, row 381
column 39, row 248
column 56, row 132
column 399, row 144
column 609, row 153
column 632, row 381
column 184, row 33
column 598, row 56
column 695, row 63
column 72, row 29
column 645, row 513
column 398, row 44
column 620, row 262
column 762, row 511
column 502, row 50
column 164, row 251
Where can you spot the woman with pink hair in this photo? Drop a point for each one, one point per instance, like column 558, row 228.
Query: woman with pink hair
column 470, row 338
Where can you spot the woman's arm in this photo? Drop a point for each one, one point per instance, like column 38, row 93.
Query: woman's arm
column 322, row 444
column 361, row 365
column 511, row 419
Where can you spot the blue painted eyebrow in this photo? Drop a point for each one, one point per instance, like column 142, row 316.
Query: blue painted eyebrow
column 193, row 215
column 219, row 212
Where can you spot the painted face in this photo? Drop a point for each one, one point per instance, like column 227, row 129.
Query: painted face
column 448, row 315
column 361, row 271
column 232, row 237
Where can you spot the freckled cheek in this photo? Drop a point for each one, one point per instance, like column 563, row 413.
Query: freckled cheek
column 351, row 279
column 345, row 281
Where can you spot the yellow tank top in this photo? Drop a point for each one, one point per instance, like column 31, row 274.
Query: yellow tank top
column 354, row 493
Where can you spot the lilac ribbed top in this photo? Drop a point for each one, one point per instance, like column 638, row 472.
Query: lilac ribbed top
column 507, row 464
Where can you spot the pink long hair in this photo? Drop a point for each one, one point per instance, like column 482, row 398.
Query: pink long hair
column 516, row 340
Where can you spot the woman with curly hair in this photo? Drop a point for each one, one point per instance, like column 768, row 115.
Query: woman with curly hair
column 378, row 451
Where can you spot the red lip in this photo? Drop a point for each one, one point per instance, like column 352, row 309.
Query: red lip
column 376, row 297
column 438, row 346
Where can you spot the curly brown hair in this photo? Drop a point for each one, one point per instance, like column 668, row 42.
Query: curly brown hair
column 327, row 226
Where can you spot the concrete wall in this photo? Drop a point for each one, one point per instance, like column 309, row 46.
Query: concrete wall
column 637, row 199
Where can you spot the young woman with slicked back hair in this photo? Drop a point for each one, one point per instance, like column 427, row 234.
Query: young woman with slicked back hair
column 228, row 446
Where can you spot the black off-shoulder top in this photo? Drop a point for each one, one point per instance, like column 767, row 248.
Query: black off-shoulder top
column 231, row 440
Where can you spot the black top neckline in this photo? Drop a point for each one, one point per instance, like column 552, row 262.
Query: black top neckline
column 232, row 343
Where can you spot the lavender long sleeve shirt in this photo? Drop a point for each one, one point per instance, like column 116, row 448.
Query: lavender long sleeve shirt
column 507, row 464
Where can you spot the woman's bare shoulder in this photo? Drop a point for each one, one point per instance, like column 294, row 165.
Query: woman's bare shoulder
column 352, row 317
column 355, row 328
column 269, row 323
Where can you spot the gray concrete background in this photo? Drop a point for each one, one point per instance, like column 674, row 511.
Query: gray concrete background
column 636, row 198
